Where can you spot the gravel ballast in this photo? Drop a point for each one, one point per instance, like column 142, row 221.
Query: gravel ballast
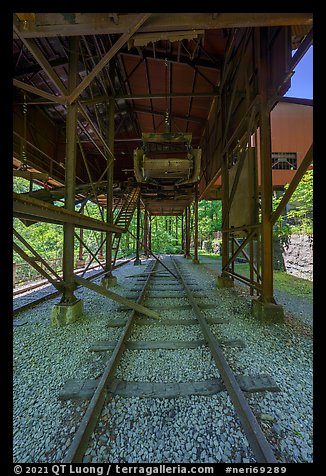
column 186, row 429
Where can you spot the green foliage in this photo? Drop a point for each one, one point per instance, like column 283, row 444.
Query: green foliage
column 284, row 282
column 46, row 238
column 165, row 237
column 209, row 218
column 299, row 217
column 206, row 254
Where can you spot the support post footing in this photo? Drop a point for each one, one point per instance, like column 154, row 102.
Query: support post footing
column 109, row 281
column 64, row 314
column 224, row 282
column 80, row 263
column 267, row 312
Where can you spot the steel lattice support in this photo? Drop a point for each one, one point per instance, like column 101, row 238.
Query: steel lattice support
column 137, row 260
column 195, row 260
column 110, row 170
column 266, row 173
column 187, row 255
column 68, row 296
column 146, row 233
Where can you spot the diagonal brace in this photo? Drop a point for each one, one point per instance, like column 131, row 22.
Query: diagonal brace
column 243, row 244
column 116, row 297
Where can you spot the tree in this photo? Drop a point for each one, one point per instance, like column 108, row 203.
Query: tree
column 209, row 218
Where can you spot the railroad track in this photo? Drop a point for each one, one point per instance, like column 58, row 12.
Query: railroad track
column 131, row 357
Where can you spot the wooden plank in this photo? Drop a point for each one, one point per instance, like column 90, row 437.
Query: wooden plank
column 116, row 297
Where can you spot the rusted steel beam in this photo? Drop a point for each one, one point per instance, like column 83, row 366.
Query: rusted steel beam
column 93, row 256
column 293, row 185
column 146, row 233
column 252, row 266
column 70, row 176
column 109, row 190
column 225, row 196
column 139, row 20
column 54, row 24
column 30, row 260
column 187, row 255
column 240, row 228
column 301, row 51
column 90, row 177
column 173, row 59
column 116, row 297
column 232, row 258
column 33, row 209
column 266, row 170
column 196, row 225
column 42, row 61
column 244, row 280
column 163, row 95
column 138, row 229
column 36, row 255
column 82, row 242
column 39, row 92
column 248, row 257
column 84, row 113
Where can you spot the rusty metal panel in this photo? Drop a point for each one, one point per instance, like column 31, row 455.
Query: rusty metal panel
column 280, row 54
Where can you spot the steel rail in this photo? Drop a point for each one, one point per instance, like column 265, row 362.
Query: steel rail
column 81, row 438
column 257, row 440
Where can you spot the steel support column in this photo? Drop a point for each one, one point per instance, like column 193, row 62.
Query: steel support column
column 225, row 215
column 80, row 261
column 137, row 260
column 224, row 280
column 188, row 232
column 183, row 249
column 266, row 173
column 146, row 233
column 150, row 232
column 195, row 260
column 68, row 296
column 109, row 193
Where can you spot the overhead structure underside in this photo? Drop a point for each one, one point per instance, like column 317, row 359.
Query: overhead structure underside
column 154, row 112
column 165, row 77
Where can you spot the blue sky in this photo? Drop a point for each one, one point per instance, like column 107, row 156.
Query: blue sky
column 302, row 80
